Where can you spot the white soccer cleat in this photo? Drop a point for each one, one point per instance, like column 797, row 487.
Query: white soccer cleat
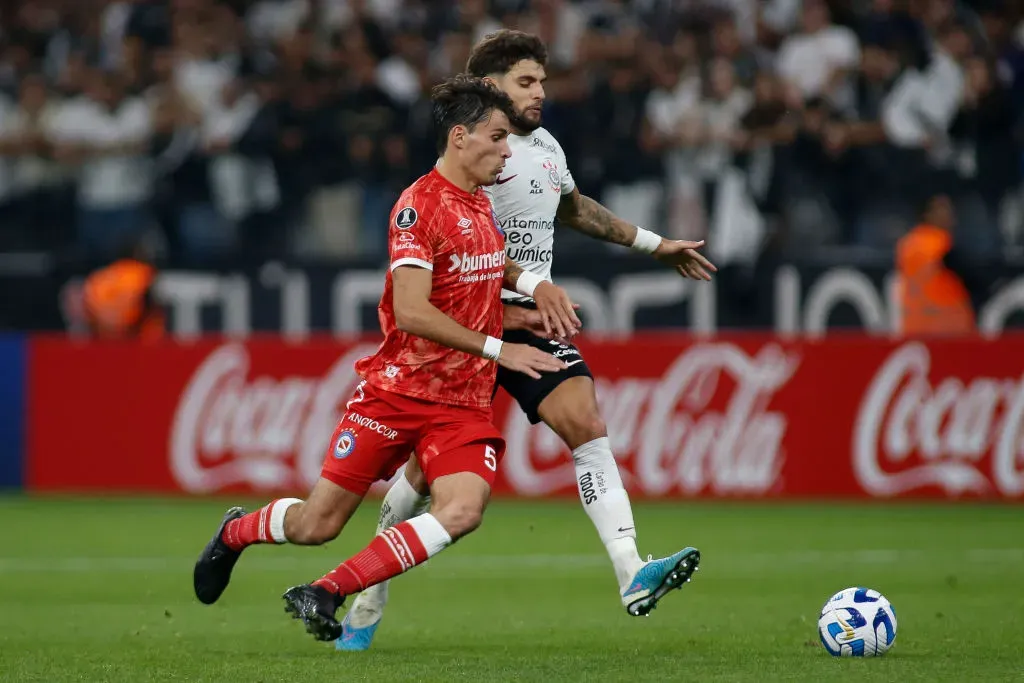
column 361, row 622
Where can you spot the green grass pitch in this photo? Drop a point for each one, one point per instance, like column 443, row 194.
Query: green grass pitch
column 100, row 590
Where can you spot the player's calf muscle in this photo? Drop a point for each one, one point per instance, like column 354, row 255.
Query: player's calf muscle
column 459, row 518
column 316, row 522
column 310, row 529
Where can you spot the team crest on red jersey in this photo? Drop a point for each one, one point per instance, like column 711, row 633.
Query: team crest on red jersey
column 345, row 444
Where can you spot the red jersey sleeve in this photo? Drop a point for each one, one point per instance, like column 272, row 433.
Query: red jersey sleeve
column 413, row 238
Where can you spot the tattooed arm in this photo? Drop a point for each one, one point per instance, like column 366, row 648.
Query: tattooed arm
column 512, row 272
column 584, row 214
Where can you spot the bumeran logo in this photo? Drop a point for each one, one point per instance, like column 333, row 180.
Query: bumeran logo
column 468, row 265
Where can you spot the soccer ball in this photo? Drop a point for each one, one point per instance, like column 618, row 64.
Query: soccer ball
column 857, row 622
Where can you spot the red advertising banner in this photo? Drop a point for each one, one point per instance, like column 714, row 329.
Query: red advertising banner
column 739, row 417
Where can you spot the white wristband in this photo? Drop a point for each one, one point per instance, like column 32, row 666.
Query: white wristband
column 492, row 348
column 528, row 282
column 646, row 241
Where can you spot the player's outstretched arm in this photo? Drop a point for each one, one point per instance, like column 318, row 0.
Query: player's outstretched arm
column 414, row 314
column 584, row 214
column 557, row 311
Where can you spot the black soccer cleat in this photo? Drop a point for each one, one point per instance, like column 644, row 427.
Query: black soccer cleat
column 213, row 568
column 316, row 607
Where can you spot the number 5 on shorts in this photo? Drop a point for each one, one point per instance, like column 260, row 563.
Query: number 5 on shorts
column 491, row 458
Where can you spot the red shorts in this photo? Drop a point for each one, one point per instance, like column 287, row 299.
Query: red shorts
column 381, row 429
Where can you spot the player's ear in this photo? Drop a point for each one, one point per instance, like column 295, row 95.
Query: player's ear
column 491, row 82
column 458, row 136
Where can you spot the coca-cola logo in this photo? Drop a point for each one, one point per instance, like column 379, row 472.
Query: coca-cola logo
column 704, row 425
column 230, row 428
column 949, row 428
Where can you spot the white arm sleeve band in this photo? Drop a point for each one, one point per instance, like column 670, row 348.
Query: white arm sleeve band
column 528, row 282
column 646, row 241
column 492, row 348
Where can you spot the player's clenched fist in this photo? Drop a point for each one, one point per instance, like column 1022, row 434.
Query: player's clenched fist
column 528, row 360
column 556, row 310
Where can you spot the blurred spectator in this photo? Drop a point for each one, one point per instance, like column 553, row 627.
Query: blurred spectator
column 818, row 59
column 36, row 192
column 397, row 75
column 562, row 25
column 472, row 17
column 368, row 120
column 240, row 136
column 984, row 133
column 105, row 137
column 244, row 129
column 726, row 45
column 631, row 172
column 271, row 21
column 672, row 101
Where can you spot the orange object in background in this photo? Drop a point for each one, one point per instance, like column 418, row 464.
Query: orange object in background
column 119, row 304
column 933, row 297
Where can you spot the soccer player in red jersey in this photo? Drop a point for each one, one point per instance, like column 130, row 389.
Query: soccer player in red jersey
column 536, row 187
column 428, row 387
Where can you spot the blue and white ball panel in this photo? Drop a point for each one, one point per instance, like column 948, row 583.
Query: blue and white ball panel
column 857, row 622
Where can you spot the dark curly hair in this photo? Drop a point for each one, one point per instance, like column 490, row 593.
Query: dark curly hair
column 498, row 52
column 465, row 101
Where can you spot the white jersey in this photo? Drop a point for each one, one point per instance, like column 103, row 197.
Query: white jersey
column 525, row 199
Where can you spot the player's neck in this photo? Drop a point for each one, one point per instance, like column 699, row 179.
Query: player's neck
column 456, row 176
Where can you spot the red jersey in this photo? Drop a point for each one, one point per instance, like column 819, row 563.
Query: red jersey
column 451, row 232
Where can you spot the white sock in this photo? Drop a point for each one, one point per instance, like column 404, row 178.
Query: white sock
column 401, row 502
column 277, row 513
column 368, row 606
column 431, row 533
column 607, row 503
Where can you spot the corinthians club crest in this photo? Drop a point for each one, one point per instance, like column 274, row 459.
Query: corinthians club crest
column 553, row 176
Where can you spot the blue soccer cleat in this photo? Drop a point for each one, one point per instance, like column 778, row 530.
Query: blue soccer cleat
column 656, row 578
column 358, row 638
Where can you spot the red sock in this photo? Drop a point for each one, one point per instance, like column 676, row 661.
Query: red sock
column 393, row 551
column 251, row 529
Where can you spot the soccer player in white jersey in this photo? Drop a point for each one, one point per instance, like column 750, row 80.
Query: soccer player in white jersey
column 534, row 188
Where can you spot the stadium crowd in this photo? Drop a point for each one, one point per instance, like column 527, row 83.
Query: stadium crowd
column 232, row 129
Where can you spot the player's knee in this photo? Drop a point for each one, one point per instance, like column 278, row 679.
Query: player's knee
column 583, row 428
column 460, row 518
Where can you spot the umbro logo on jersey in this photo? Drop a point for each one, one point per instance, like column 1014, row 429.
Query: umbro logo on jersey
column 502, row 181
column 406, row 218
column 464, row 223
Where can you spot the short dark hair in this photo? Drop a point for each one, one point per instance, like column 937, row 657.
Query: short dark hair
column 498, row 52
column 465, row 101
